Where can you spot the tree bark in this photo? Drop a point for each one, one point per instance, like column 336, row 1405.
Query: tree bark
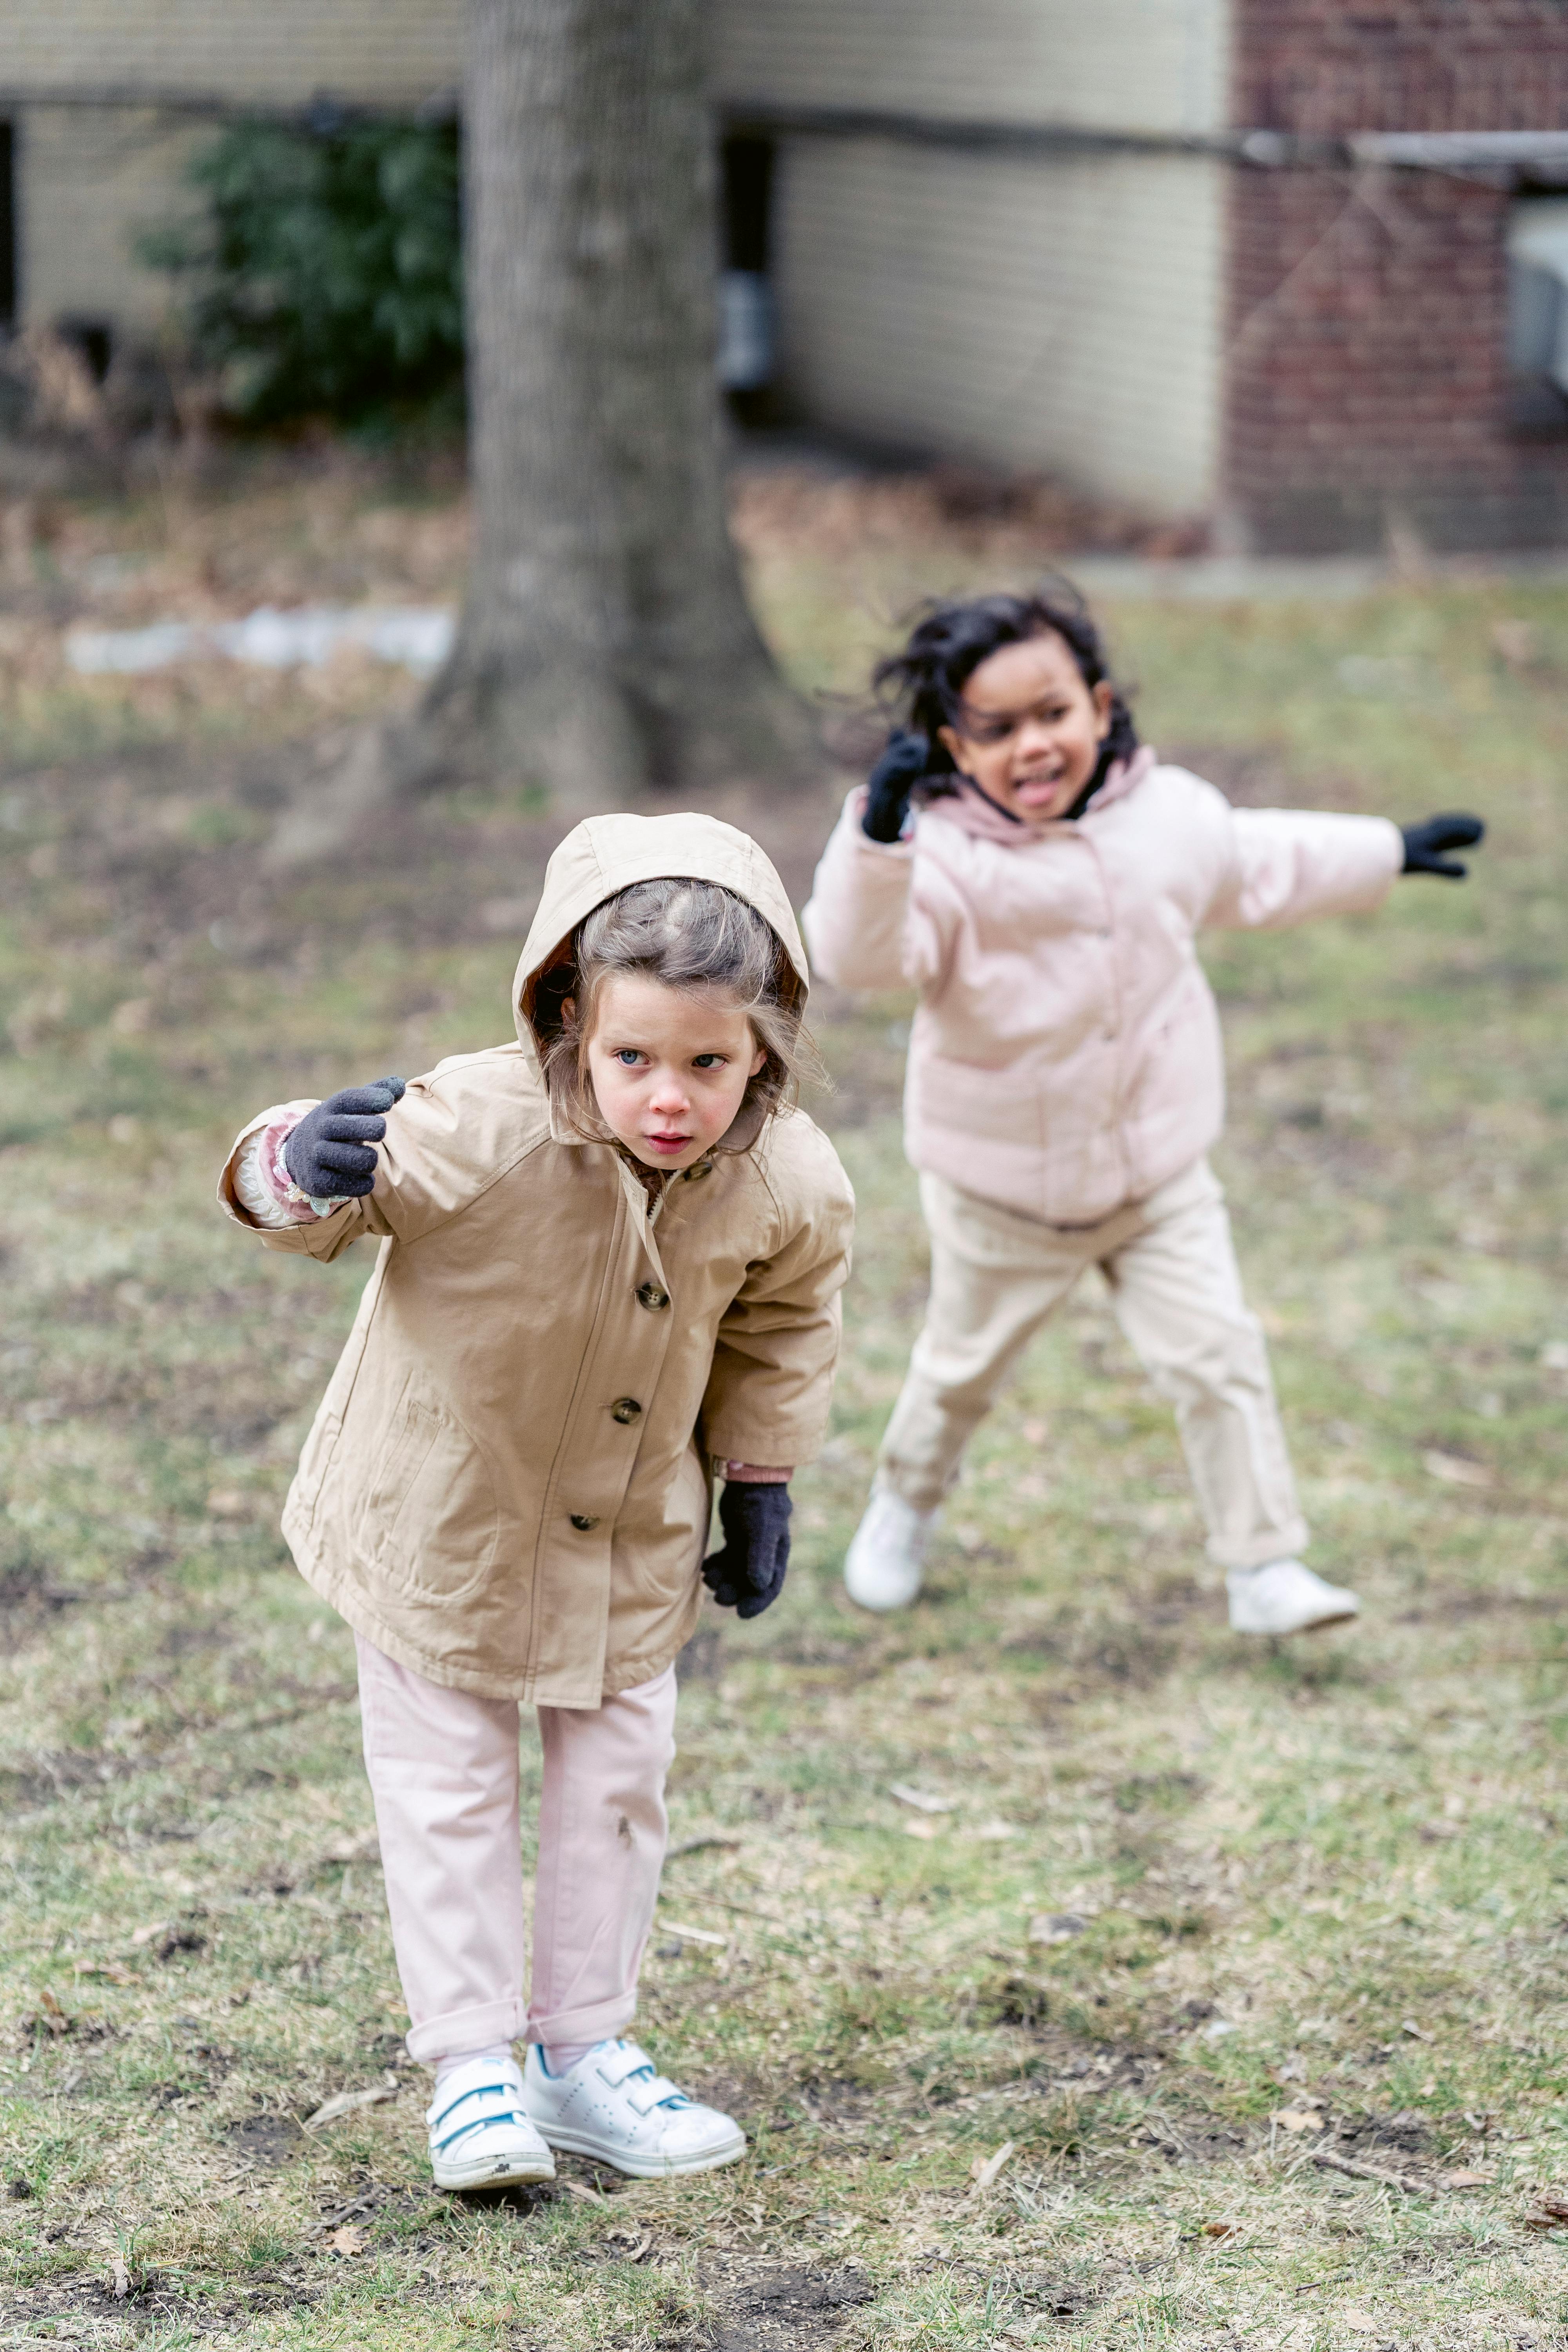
column 605, row 644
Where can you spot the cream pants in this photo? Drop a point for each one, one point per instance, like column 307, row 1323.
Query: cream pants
column 444, row 1774
column 996, row 1276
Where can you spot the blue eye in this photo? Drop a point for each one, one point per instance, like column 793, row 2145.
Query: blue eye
column 707, row 1061
column 629, row 1056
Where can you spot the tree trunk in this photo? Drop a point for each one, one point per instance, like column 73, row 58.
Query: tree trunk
column 605, row 644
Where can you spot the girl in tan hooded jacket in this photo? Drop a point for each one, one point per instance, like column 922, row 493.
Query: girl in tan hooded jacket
column 1066, row 1078
column 609, row 1263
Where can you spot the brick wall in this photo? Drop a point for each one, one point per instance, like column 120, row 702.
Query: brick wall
column 1366, row 337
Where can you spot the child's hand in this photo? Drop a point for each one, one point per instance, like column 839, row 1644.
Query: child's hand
column 1424, row 845
column 748, row 1574
column 906, row 760
column 328, row 1154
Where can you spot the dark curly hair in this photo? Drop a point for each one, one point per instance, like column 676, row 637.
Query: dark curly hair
column 921, row 687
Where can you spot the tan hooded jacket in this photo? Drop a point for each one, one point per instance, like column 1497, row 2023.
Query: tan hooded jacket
column 506, row 1488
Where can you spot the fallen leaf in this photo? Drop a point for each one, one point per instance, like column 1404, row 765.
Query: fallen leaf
column 228, row 1503
column 1221, row 2230
column 145, row 1934
column 693, row 1935
column 1555, row 2208
column 346, row 2240
column 630, row 2245
column 921, row 1800
column 1297, row 2119
column 1455, row 1469
column 1056, row 1927
column 922, row 1829
column 1416, row 2033
column 994, row 1831
column 984, row 2169
column 50, row 2003
column 580, row 2189
column 1476, row 2177
column 109, row 1969
column 121, row 2277
column 1358, row 2320
column 348, row 2103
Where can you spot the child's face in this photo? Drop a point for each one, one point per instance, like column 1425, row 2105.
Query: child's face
column 669, row 1069
column 1032, row 729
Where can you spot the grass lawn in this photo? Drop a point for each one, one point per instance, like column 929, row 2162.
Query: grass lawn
column 1221, row 2001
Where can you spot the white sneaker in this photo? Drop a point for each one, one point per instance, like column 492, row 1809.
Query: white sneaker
column 883, row 1565
column 613, row 2105
column 1285, row 1597
column 479, row 2131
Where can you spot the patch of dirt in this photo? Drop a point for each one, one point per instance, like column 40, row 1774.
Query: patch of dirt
column 767, row 2309
column 1405, row 2129
column 266, row 2140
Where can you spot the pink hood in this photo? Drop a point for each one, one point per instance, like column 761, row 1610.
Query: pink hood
column 1066, row 1053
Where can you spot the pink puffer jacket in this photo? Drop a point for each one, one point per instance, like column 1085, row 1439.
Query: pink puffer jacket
column 1066, row 1057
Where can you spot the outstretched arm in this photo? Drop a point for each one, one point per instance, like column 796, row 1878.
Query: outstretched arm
column 1290, row 866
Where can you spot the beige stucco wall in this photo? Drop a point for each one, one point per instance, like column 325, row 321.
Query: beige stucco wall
column 89, row 181
column 1055, row 311
column 1147, row 65
column 1060, row 315
column 91, row 177
column 277, row 51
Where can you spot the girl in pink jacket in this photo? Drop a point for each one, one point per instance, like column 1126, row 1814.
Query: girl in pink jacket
column 1066, row 1078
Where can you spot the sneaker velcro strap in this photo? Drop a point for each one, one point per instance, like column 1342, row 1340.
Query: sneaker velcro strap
column 499, row 2105
column 622, row 2060
column 642, row 2097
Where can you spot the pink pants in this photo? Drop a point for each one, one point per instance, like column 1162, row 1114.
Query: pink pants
column 444, row 1774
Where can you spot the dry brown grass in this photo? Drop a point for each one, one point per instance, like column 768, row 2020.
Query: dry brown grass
column 1321, row 1845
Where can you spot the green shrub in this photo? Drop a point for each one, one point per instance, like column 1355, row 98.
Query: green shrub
column 325, row 274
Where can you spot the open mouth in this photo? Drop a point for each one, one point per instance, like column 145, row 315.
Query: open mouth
column 668, row 1143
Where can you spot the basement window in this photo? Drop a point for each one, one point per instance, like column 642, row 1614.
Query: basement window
column 1538, row 315
column 745, row 286
column 7, row 227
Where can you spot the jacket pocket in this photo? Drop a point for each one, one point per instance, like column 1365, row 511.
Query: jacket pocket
column 429, row 1525
column 315, row 1462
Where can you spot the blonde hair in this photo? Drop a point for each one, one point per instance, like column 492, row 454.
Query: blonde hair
column 687, row 935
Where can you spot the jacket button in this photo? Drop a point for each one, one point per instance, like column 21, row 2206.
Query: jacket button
column 582, row 1522
column 703, row 1167
column 650, row 1295
column 624, row 1408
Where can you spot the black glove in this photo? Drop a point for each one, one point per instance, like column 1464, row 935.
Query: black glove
column 748, row 1574
column 906, row 760
column 328, row 1154
column 1424, row 845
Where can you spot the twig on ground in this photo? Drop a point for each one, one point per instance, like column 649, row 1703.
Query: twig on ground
column 1333, row 2163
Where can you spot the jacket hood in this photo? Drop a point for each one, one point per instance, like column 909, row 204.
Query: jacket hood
column 972, row 812
column 605, row 854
